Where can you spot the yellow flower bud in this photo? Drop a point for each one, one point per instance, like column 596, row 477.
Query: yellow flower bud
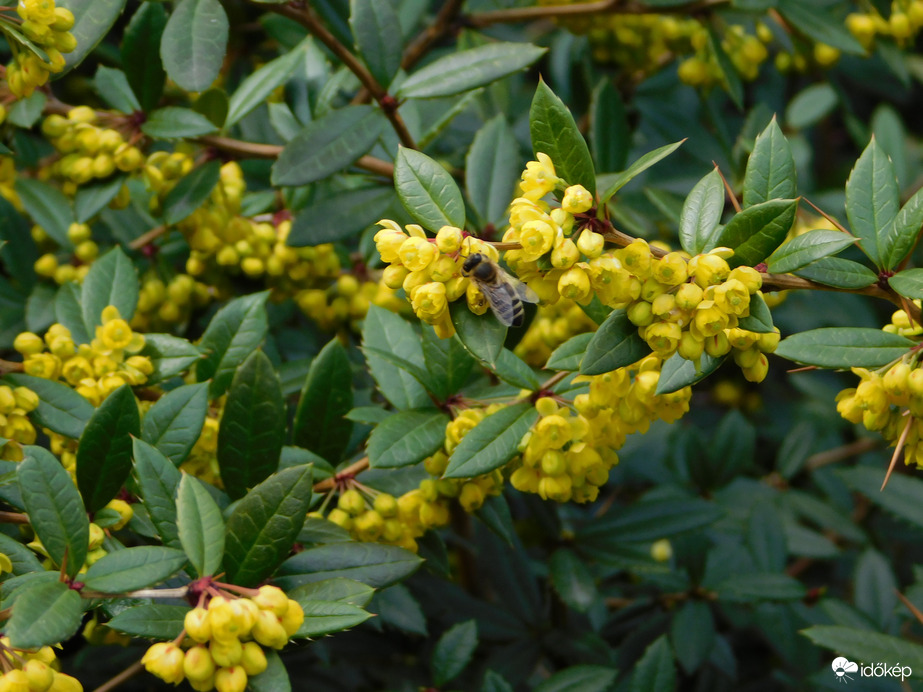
column 165, row 661
column 254, row 659
column 231, row 679
column 417, row 253
column 449, row 239
column 198, row 663
column 577, row 199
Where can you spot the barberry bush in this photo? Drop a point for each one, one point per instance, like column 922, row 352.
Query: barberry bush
column 460, row 345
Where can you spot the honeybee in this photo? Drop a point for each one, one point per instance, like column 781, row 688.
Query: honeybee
column 504, row 293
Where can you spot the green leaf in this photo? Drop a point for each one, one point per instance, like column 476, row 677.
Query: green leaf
column 491, row 170
column 454, row 651
column 200, row 526
column 770, row 169
column 555, row 133
column 427, row 191
column 112, row 86
column 174, row 122
column 92, row 21
column 320, row 420
column 112, row 280
column 20, row 251
column 153, row 621
column 44, row 614
column 252, row 426
column 651, row 520
column 610, row 136
column 731, row 77
column 255, row 89
column 760, row 318
column 325, row 617
column 339, row 216
column 469, row 69
column 264, row 525
column 655, row 672
column 234, row 332
column 406, row 438
column 328, row 145
column 901, row 498
column 447, row 362
column 909, row 283
column 193, row 44
column 677, row 372
column 811, row 105
column 568, row 355
column 25, row 112
column 761, row 586
column 579, row 678
column 141, row 53
column 819, row 25
column 481, row 335
column 69, row 312
column 844, row 347
column 91, row 199
column 754, row 233
column 614, row 345
column 572, row 580
column 614, row 182
column 104, row 454
column 872, row 199
column 898, row 238
column 375, row 564
column 191, row 192
column 701, row 213
column 513, row 370
column 864, row 645
column 158, row 480
column 492, row 442
column 60, row 408
column 213, row 104
column 133, row 568
column 48, row 207
column 692, row 633
column 338, row 589
column 838, row 272
column 173, row 424
column 170, row 356
column 400, row 347
column 55, row 509
column 801, row 250
column 376, row 28
column 275, row 678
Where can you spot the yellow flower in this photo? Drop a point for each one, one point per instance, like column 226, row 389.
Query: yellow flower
column 577, row 199
column 388, row 240
column 449, row 239
column 536, row 238
column 165, row 661
column 43, row 365
column 539, row 178
column 709, row 320
column 417, row 253
column 429, row 301
column 733, row 297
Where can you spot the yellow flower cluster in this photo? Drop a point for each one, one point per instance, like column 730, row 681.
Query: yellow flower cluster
column 94, row 370
column 89, row 148
column 48, row 27
column 85, row 251
column 162, row 306
column 345, row 302
column 747, row 53
column 552, row 326
column 903, row 24
column 228, row 637
column 375, row 518
column 8, row 181
column 565, row 457
column 430, row 270
column 33, row 671
column 15, row 426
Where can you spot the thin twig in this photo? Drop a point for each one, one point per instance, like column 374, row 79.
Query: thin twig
column 126, row 674
column 351, row 470
column 524, row 14
column 831, row 456
column 13, row 518
column 420, row 45
column 727, row 186
column 897, row 449
column 910, row 606
column 148, row 237
column 9, row 366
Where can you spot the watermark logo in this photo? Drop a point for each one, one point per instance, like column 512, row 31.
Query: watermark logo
column 842, row 669
column 846, row 671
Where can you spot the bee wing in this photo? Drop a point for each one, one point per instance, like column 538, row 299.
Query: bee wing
column 524, row 293
column 500, row 297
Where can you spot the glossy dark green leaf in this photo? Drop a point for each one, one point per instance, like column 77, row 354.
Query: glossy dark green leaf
column 174, row 122
column 677, row 372
column 609, row 130
column 838, row 272
column 375, row 564
column 69, row 312
column 568, row 355
column 26, row 111
column 481, row 335
column 427, row 191
column 154, row 621
column 651, row 520
column 60, row 408
column 55, row 509
column 770, row 169
column 328, row 145
column 811, row 105
column 376, row 28
column 760, row 318
column 454, row 651
column 264, row 525
column 586, row 678
column 692, row 633
column 655, row 672
column 572, row 580
column 898, row 239
column 91, row 199
column 900, row 498
column 406, row 438
column 863, row 645
column 158, row 480
column 256, row 88
column 616, row 181
column 469, row 69
column 447, row 362
column 754, row 233
column 336, row 589
column 44, row 614
column 274, row 679
column 844, row 347
column 760, row 586
column 193, row 43
column 40, row 312
column 808, row 247
column 92, row 21
column 112, row 86
column 731, row 77
column 104, row 454
column 909, row 283
column 252, row 426
column 513, row 370
column 191, row 192
column 320, row 424
column 872, row 199
column 200, row 526
column 133, row 568
column 492, row 442
column 213, row 104
column 555, row 133
column 701, row 213
column 112, row 280
column 173, row 424
column 819, row 25
column 170, row 355
column 875, row 587
column 339, row 216
column 326, row 617
column 20, row 251
column 492, row 170
column 141, row 53
column 48, row 207
column 233, row 333
column 614, row 345
column 390, row 333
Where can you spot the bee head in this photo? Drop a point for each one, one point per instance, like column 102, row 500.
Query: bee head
column 471, row 262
